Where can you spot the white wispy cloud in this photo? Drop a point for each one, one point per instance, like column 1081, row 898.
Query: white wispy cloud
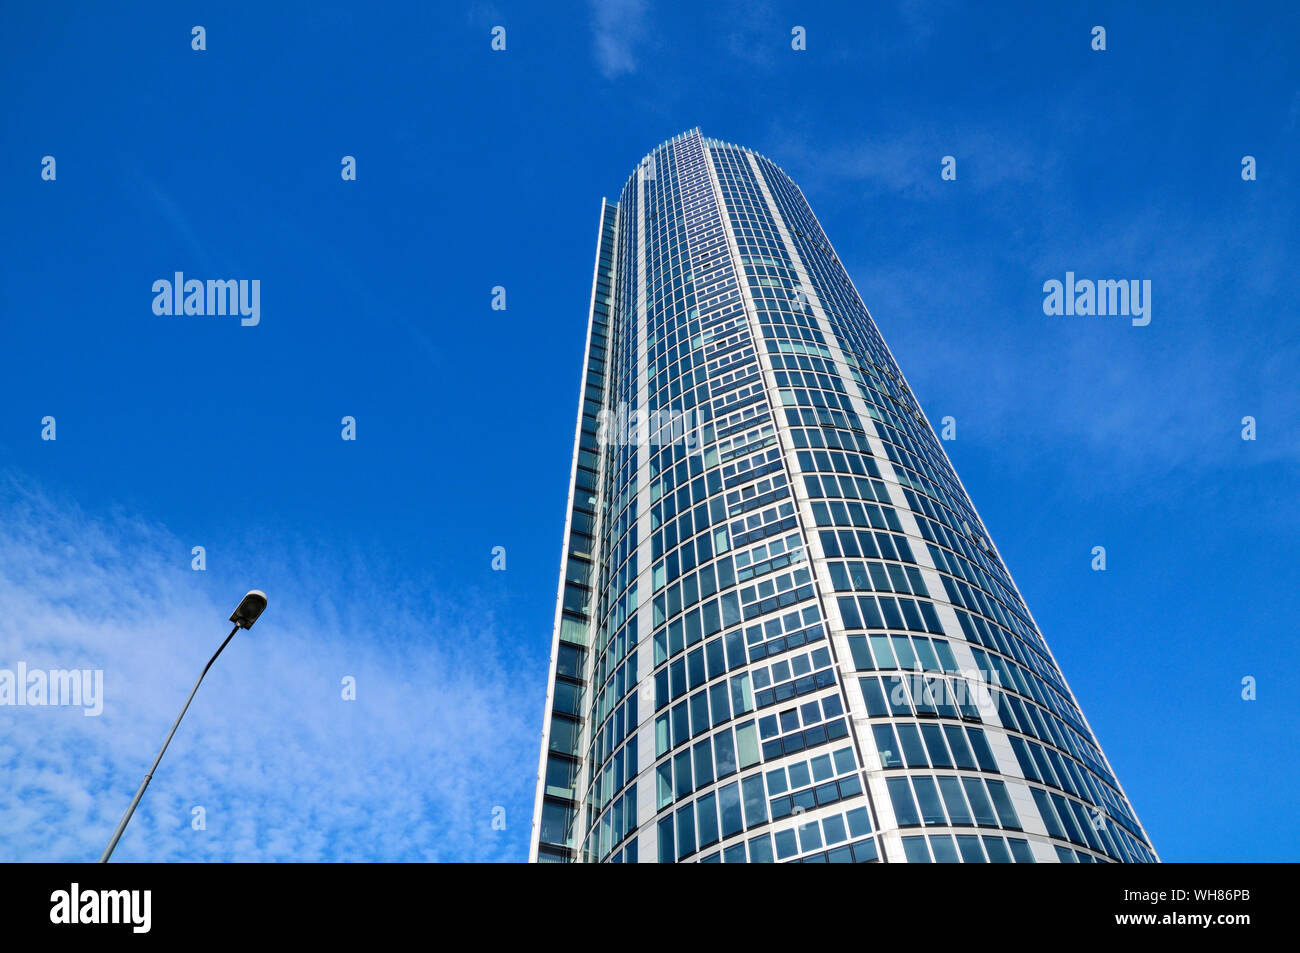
column 442, row 731
column 907, row 158
column 618, row 28
column 1165, row 398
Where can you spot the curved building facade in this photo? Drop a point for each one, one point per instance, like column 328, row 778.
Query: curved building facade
column 782, row 632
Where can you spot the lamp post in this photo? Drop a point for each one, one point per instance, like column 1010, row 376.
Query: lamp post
column 245, row 614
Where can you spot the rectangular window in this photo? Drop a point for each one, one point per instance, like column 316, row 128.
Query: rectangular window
column 982, row 751
column 666, row 853
column 859, row 822
column 861, row 656
column 706, row 820
column 979, row 802
column 900, row 795
column 729, row 804
column 944, row 850
column 927, row 795
column 664, row 773
column 954, row 801
column 699, row 712
column 886, row 746
column 873, row 696
column 677, row 676
column 915, row 851
column 682, row 773
column 786, row 845
column 1021, row 851
column 703, row 757
column 760, row 850
column 810, row 836
column 718, row 702
column 695, row 667
column 1002, row 804
column 969, row 845
column 685, row 831
column 755, row 801
column 997, row 848
column 747, row 744
column 1047, row 813
column 938, row 751
column 960, row 749
column 834, row 826
column 913, row 750
column 724, row 749
column 681, row 724
column 741, row 699
column 716, row 658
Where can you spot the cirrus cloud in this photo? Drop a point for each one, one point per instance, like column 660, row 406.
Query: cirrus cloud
column 439, row 737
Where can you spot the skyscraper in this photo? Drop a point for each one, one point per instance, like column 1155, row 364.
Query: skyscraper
column 782, row 631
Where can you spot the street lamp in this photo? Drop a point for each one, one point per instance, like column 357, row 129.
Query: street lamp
column 245, row 614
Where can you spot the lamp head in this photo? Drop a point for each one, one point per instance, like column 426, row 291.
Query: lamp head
column 249, row 608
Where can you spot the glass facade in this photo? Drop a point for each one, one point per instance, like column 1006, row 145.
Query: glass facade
column 782, row 632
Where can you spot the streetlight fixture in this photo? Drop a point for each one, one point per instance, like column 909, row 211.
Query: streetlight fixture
column 245, row 614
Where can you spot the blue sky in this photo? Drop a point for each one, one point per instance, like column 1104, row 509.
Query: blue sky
column 478, row 168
